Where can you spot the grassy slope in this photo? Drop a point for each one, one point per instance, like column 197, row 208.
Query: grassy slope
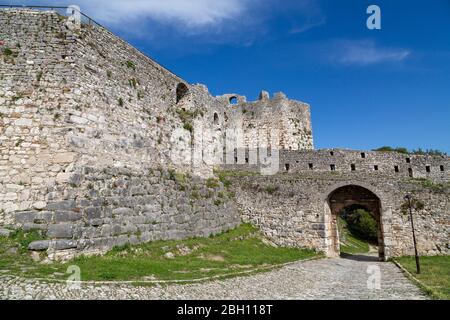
column 350, row 243
column 435, row 273
column 230, row 252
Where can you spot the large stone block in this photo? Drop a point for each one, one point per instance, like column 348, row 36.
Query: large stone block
column 65, row 157
column 93, row 213
column 25, row 216
column 63, row 230
column 64, row 244
column 122, row 212
column 67, row 216
column 39, row 245
column 66, row 205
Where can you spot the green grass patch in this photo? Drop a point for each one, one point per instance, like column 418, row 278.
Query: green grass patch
column 212, row 183
column 225, row 174
column 15, row 257
column 435, row 274
column 234, row 251
column 350, row 243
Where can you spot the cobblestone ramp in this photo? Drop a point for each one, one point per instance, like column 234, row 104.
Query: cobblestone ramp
column 318, row 279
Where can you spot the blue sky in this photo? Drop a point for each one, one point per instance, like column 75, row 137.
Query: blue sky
column 366, row 88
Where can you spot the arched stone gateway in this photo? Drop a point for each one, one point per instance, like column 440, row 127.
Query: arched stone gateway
column 351, row 195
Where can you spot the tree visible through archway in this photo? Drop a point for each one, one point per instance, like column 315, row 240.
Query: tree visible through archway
column 348, row 199
column 358, row 230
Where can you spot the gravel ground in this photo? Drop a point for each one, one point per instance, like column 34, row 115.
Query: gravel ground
column 336, row 278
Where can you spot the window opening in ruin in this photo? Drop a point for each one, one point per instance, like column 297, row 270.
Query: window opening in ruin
column 182, row 91
column 408, row 160
column 428, row 168
column 396, row 169
column 287, row 166
column 311, row 166
column 216, row 118
column 233, row 100
column 353, row 167
column 333, row 167
column 375, row 167
column 410, row 172
column 363, row 155
column 442, row 168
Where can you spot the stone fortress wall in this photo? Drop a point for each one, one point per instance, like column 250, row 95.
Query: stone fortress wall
column 82, row 100
column 86, row 136
column 292, row 207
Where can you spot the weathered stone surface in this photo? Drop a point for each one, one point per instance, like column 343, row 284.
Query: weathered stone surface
column 39, row 205
column 5, row 232
column 66, row 216
column 66, row 157
column 122, row 212
column 93, row 212
column 66, row 205
column 64, row 244
column 24, row 216
column 60, row 231
column 39, row 245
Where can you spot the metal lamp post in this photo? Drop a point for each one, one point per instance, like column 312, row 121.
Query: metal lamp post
column 409, row 198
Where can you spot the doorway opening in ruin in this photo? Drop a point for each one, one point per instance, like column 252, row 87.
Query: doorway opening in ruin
column 182, row 91
column 360, row 202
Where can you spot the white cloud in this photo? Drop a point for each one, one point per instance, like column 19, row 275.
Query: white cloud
column 365, row 52
column 309, row 25
column 166, row 22
column 189, row 14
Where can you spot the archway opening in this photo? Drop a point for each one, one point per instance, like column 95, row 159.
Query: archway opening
column 355, row 221
column 182, row 91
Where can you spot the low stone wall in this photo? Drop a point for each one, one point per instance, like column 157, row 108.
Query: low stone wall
column 116, row 206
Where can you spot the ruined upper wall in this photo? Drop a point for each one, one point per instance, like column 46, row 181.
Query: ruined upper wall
column 393, row 165
column 289, row 120
column 97, row 95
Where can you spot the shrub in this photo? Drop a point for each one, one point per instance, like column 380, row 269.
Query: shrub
column 39, row 76
column 131, row 65
column 271, row 189
column 420, row 151
column 7, row 52
column 390, row 149
column 361, row 223
column 188, row 127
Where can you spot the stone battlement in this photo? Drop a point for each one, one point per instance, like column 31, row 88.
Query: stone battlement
column 377, row 163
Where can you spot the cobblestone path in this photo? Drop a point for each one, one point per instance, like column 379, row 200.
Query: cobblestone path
column 317, row 279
